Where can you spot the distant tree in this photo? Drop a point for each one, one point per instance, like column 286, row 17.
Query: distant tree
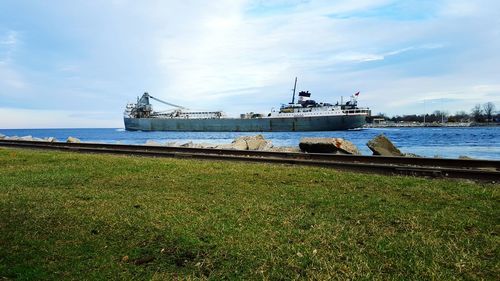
column 489, row 109
column 496, row 117
column 439, row 116
column 460, row 116
column 477, row 113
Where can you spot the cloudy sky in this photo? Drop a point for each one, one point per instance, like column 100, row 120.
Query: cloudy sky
column 77, row 63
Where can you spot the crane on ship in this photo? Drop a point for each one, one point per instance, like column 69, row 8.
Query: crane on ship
column 143, row 108
column 164, row 102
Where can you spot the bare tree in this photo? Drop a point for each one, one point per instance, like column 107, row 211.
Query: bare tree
column 489, row 108
column 461, row 116
column 477, row 112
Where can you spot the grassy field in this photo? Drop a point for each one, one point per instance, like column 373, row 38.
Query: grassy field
column 78, row 216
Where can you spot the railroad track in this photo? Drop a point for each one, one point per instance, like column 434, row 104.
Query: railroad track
column 482, row 170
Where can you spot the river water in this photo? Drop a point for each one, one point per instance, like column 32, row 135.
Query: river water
column 475, row 142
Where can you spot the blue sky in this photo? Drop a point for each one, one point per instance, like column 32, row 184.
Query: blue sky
column 77, row 63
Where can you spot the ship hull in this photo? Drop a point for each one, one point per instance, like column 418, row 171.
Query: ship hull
column 318, row 123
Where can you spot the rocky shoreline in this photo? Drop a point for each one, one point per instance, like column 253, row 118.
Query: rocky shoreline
column 379, row 145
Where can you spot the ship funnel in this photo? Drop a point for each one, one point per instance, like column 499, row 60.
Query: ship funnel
column 304, row 96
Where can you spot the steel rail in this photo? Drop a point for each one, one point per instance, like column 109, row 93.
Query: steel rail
column 486, row 170
column 417, row 161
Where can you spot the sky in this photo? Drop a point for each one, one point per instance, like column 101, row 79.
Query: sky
column 76, row 64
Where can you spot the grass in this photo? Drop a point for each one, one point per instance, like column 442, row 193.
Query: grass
column 95, row 217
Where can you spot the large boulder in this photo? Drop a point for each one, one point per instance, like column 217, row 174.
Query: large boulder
column 381, row 145
column 257, row 142
column 2, row 136
column 50, row 139
column 239, row 144
column 73, row 140
column 328, row 145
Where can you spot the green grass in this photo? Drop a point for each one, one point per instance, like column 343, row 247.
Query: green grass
column 78, row 216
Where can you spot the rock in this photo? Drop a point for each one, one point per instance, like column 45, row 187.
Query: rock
column 381, row 145
column 187, row 144
column 2, row 136
column 11, row 138
column 50, row 139
column 26, row 138
column 411, row 155
column 207, row 145
column 37, row 139
column 73, row 140
column 172, row 144
column 328, row 145
column 225, row 146
column 239, row 144
column 152, row 143
column 285, row 149
column 197, row 145
column 257, row 142
column 463, row 157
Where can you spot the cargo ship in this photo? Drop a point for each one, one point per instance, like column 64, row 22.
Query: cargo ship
column 303, row 115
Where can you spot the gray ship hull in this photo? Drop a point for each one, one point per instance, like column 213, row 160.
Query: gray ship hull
column 320, row 123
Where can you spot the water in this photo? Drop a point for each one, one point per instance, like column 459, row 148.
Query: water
column 476, row 142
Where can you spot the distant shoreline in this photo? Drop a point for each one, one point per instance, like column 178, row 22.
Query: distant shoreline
column 430, row 125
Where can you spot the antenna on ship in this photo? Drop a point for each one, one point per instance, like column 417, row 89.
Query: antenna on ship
column 294, row 88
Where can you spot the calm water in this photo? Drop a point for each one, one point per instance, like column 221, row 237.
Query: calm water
column 477, row 142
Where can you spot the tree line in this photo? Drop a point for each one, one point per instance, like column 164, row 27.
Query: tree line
column 479, row 113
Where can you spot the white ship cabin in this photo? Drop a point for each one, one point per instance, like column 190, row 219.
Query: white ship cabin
column 310, row 108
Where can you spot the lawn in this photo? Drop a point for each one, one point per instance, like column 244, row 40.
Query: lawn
column 97, row 217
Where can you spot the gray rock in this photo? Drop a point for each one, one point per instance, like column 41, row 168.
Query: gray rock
column 285, row 149
column 411, row 155
column 187, row 144
column 239, row 144
column 463, row 157
column 381, row 145
column 73, row 140
column 197, row 145
column 2, row 136
column 51, row 139
column 26, row 138
column 152, row 143
column 11, row 138
column 225, row 146
column 257, row 142
column 328, row 145
column 172, row 144
column 38, row 139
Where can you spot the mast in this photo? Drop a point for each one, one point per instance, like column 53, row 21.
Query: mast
column 294, row 88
